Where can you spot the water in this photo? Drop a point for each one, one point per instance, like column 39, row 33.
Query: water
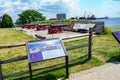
column 110, row 21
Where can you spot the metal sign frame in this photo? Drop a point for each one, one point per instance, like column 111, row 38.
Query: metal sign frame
column 116, row 34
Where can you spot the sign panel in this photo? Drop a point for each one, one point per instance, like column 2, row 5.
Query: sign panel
column 45, row 49
column 83, row 25
column 116, row 34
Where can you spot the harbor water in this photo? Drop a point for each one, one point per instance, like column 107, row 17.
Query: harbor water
column 110, row 21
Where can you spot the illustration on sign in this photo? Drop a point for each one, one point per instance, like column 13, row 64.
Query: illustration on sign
column 46, row 49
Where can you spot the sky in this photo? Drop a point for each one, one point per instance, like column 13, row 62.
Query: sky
column 72, row 8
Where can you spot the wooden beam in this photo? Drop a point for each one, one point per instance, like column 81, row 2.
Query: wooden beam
column 90, row 44
column 12, row 45
column 14, row 59
column 75, row 36
column 77, row 46
column 25, row 57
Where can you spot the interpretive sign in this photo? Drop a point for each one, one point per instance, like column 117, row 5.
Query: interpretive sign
column 40, row 50
column 116, row 34
column 45, row 49
column 83, row 25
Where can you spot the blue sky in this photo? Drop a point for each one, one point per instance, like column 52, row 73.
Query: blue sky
column 72, row 8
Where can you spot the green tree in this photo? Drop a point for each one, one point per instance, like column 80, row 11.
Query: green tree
column 29, row 16
column 7, row 21
column 0, row 25
column 0, row 21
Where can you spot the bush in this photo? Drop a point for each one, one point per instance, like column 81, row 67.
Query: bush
column 0, row 24
column 107, row 30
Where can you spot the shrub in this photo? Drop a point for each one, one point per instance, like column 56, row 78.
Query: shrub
column 7, row 21
column 107, row 30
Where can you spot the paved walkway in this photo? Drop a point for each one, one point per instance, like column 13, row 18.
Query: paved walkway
column 109, row 71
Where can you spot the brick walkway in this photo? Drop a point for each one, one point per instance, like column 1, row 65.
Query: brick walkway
column 109, row 71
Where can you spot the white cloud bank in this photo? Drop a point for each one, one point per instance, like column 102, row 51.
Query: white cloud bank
column 49, row 8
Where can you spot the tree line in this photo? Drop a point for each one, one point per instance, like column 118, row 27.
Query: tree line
column 27, row 16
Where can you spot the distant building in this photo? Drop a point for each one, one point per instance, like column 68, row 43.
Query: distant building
column 61, row 16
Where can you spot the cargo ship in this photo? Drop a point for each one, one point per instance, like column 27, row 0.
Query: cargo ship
column 92, row 17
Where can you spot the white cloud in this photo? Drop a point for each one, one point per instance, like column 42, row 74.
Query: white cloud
column 50, row 7
column 73, row 6
column 12, row 8
column 48, row 1
column 70, row 7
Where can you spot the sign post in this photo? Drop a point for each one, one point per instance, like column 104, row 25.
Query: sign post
column 116, row 34
column 40, row 50
column 67, row 69
column 30, row 71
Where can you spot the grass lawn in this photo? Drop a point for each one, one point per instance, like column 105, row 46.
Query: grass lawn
column 105, row 49
column 115, row 28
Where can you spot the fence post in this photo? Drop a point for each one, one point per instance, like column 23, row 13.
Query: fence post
column 90, row 44
column 67, row 69
column 1, row 76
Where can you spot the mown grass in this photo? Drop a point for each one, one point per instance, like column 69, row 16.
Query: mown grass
column 59, row 71
column 105, row 49
column 9, row 36
column 115, row 28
